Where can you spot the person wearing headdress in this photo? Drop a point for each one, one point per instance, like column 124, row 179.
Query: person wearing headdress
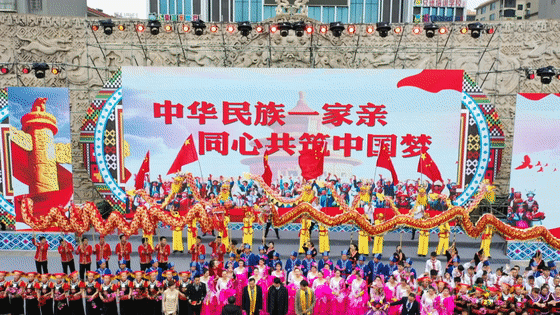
column 60, row 292
column 275, row 260
column 46, row 295
column 443, row 235
column 103, row 269
column 424, row 239
column 304, row 234
column 324, row 243
column 182, row 285
column 445, row 303
column 307, row 262
column 93, row 303
column 324, row 261
column 377, row 302
column 248, row 227
column 192, row 235
column 30, row 295
column 4, row 298
column 153, row 294
column 16, row 288
column 108, row 295
column 124, row 293
column 155, row 267
column 344, row 264
column 251, row 259
column 363, row 241
column 76, row 294
column 408, row 267
column 177, row 232
column 139, row 293
column 486, row 240
column 376, row 267
column 378, row 239
column 292, row 262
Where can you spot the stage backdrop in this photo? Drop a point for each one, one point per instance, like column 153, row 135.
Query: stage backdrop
column 535, row 167
column 40, row 147
column 235, row 114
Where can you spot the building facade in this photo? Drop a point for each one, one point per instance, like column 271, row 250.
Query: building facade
column 425, row 11
column 494, row 10
column 45, row 7
column 549, row 9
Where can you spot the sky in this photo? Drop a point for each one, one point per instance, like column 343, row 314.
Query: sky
column 141, row 7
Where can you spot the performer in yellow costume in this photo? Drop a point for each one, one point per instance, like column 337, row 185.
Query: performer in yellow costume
column 308, row 194
column 150, row 238
column 365, row 197
column 363, row 241
column 443, row 235
column 304, row 236
column 324, row 245
column 486, row 240
column 225, row 236
column 378, row 239
column 177, row 235
column 424, row 239
column 248, row 227
column 191, row 233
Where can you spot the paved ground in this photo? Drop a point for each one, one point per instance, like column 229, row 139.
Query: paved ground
column 23, row 260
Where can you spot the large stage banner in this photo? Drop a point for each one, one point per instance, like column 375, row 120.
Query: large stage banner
column 40, row 147
column 234, row 115
column 535, row 166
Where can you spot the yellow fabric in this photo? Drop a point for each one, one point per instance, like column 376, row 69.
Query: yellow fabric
column 252, row 299
column 422, row 200
column 377, row 241
column 423, row 242
column 177, row 236
column 191, row 233
column 248, row 230
column 304, row 302
column 225, row 239
column 304, row 234
column 150, row 238
column 363, row 243
column 324, row 245
column 308, row 194
column 443, row 236
column 486, row 240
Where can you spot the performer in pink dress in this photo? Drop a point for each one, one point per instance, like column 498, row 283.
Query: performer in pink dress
column 292, row 289
column 224, row 289
column 338, row 289
column 210, row 303
column 263, row 283
column 445, row 303
column 323, row 295
column 378, row 303
column 327, row 270
column 312, row 274
column 262, row 267
column 241, row 281
column 358, row 297
column 427, row 302
column 277, row 273
column 391, row 295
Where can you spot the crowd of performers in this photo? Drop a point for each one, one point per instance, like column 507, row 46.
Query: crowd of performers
column 523, row 213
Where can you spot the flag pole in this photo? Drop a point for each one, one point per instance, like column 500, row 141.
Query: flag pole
column 200, row 168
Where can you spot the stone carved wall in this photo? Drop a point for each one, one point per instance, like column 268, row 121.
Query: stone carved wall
column 88, row 63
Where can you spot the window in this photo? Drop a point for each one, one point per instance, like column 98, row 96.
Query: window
column 35, row 5
column 8, row 5
column 492, row 17
column 510, row 4
column 483, row 10
column 493, row 6
column 520, row 7
column 520, row 18
column 509, row 13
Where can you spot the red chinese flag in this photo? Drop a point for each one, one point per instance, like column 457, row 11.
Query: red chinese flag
column 186, row 155
column 267, row 175
column 384, row 161
column 311, row 163
column 428, row 167
column 144, row 169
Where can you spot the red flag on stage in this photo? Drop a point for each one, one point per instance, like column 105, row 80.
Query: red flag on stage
column 186, row 155
column 311, row 162
column 267, row 175
column 428, row 167
column 144, row 169
column 384, row 161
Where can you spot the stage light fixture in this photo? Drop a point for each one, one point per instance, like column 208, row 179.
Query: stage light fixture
column 154, row 26
column 25, row 70
column 245, row 28
column 309, row 29
column 464, row 30
column 430, row 29
column 55, row 70
column 351, row 29
column 284, row 28
column 336, row 28
column 140, row 28
column 323, row 29
column 370, row 29
column 443, row 30
column 490, row 30
column 416, row 30
column 168, row 28
column 107, row 26
column 214, row 28
column 259, row 29
column 299, row 28
column 529, row 74
column 383, row 28
column 121, row 27
column 273, row 29
column 4, row 70
column 546, row 74
column 476, row 28
column 398, row 30
column 230, row 29
column 40, row 68
column 94, row 27
column 198, row 27
column 186, row 28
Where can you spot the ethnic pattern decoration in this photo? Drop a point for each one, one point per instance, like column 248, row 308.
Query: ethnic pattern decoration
column 7, row 210
column 24, row 240
column 526, row 250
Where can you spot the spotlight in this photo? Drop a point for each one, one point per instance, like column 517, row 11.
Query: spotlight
column 398, row 30
column 168, row 28
column 309, row 29
column 154, row 26
column 230, row 28
column 430, row 29
column 336, row 28
column 214, row 28
column 94, row 27
column 284, row 28
column 370, row 29
column 107, row 26
column 55, row 70
column 443, row 30
column 273, row 28
column 529, row 74
column 383, row 28
column 259, row 29
column 490, row 30
column 121, row 27
column 476, row 28
column 4, row 70
column 40, row 68
column 299, row 28
column 25, row 70
column 416, row 30
column 464, row 30
column 323, row 29
column 199, row 27
column 546, row 74
column 245, row 28
column 351, row 29
column 186, row 28
column 140, row 28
